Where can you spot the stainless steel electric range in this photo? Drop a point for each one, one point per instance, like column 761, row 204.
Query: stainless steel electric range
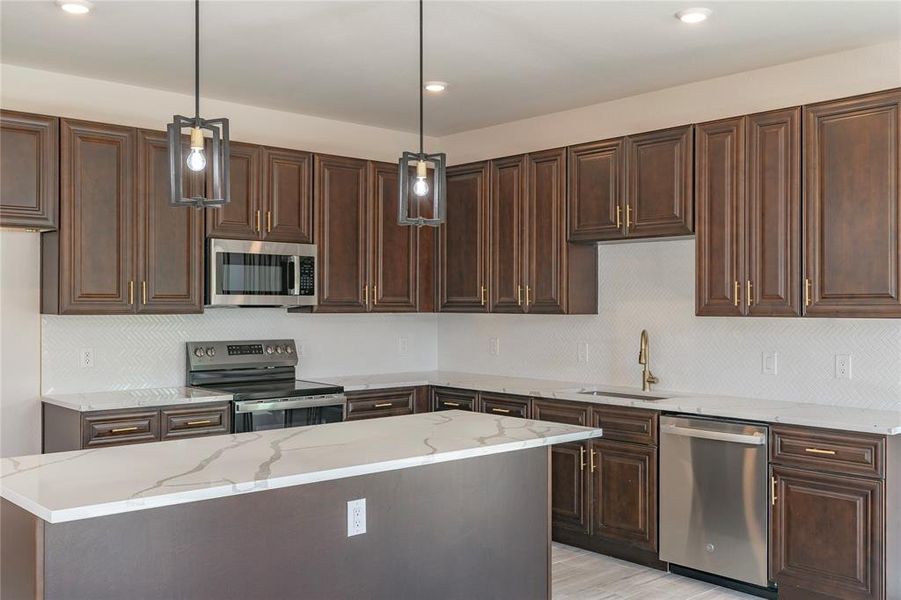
column 261, row 376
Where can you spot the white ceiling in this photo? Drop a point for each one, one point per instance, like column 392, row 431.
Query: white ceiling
column 356, row 61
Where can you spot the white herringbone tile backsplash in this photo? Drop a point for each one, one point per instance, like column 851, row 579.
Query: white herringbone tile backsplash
column 138, row 351
column 650, row 285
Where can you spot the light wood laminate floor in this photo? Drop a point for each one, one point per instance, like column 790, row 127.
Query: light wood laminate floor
column 583, row 575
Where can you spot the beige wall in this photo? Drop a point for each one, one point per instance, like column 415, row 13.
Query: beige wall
column 821, row 78
column 32, row 90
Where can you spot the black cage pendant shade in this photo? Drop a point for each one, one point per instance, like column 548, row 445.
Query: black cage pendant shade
column 197, row 160
column 414, row 170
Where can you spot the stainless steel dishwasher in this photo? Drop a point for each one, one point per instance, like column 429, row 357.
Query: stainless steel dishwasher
column 713, row 497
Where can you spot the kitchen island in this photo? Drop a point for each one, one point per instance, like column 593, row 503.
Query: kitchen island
column 454, row 509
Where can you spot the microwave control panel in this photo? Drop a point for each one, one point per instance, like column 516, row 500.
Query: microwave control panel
column 307, row 283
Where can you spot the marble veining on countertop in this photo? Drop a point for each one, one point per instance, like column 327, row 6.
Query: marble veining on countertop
column 68, row 486
column 884, row 422
column 140, row 398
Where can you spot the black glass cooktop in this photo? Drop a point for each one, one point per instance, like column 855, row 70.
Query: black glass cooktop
column 286, row 388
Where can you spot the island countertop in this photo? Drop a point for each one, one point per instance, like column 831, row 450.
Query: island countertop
column 69, row 486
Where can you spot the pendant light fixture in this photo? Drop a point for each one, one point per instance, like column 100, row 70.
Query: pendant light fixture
column 414, row 193
column 197, row 159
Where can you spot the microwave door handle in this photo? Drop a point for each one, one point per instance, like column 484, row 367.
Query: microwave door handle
column 294, row 289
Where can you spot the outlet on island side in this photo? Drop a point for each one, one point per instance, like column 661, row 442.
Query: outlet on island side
column 356, row 517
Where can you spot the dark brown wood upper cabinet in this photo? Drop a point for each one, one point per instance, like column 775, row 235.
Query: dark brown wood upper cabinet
column 342, row 233
column 29, row 170
column 659, row 201
column 720, row 200
column 393, row 249
column 548, row 278
column 852, row 221
column 508, row 247
column 88, row 264
column 242, row 217
column 169, row 240
column 596, row 191
column 772, row 284
column 287, row 203
column 463, row 241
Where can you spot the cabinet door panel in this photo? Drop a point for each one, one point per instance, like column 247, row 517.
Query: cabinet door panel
column 624, row 493
column 394, row 247
column 852, row 220
column 241, row 218
column 96, row 211
column 828, row 534
column 342, row 234
column 570, row 494
column 596, row 190
column 169, row 240
column 546, row 240
column 507, row 247
column 720, row 194
column 659, row 197
column 29, row 170
column 287, row 196
column 463, row 241
column 774, row 210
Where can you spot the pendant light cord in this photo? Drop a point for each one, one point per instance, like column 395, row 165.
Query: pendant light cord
column 420, row 79
column 197, row 62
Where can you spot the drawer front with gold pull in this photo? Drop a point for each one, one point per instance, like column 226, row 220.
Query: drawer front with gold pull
column 454, row 399
column 195, row 421
column 832, row 451
column 367, row 404
column 112, row 429
column 505, row 405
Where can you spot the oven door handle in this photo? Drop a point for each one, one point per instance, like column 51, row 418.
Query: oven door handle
column 250, row 406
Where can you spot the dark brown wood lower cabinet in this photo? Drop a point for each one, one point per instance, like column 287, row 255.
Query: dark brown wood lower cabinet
column 570, row 490
column 369, row 404
column 454, row 399
column 504, row 405
column 828, row 536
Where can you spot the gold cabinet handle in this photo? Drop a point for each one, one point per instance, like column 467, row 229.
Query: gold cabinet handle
column 807, row 287
column 124, row 429
column 736, row 293
column 501, row 410
column 619, row 217
column 131, row 292
column 268, row 220
column 484, row 300
column 593, row 456
column 819, row 451
column 519, row 295
column 628, row 216
column 143, row 292
column 203, row 422
column 384, row 404
column 375, row 294
column 582, row 457
column 773, row 490
column 446, row 403
column 749, row 295
column 258, row 220
column 366, row 294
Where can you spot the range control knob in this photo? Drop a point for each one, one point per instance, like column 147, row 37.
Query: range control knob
column 278, row 349
column 269, row 350
column 289, row 350
column 199, row 352
column 211, row 351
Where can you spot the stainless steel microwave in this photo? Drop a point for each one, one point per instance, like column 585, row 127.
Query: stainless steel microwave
column 256, row 273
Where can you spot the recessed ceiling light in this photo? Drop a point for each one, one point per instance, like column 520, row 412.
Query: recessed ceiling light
column 436, row 87
column 75, row 7
column 693, row 15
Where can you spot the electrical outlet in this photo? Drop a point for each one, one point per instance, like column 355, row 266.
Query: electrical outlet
column 356, row 517
column 494, row 346
column 769, row 363
column 86, row 358
column 843, row 366
column 301, row 350
column 582, row 352
column 403, row 345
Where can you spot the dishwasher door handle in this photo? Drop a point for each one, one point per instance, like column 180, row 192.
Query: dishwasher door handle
column 754, row 439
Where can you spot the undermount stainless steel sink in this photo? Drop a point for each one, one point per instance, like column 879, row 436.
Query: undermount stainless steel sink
column 622, row 395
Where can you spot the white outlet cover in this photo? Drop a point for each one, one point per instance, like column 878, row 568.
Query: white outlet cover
column 843, row 366
column 86, row 358
column 494, row 346
column 769, row 363
column 301, row 350
column 582, row 352
column 403, row 345
column 356, row 517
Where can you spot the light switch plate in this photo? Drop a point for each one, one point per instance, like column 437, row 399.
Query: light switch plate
column 769, row 363
column 356, row 517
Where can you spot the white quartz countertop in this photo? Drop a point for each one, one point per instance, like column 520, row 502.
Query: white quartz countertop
column 69, row 486
column 140, row 398
column 884, row 422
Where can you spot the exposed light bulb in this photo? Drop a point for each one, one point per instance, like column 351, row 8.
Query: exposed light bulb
column 421, row 187
column 196, row 160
